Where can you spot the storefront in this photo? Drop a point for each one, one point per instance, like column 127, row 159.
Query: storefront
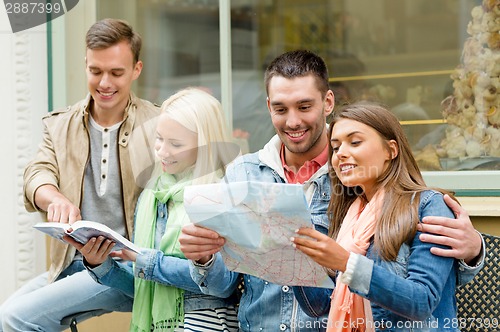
column 435, row 63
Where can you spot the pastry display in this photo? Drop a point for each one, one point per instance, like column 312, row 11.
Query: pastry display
column 428, row 159
column 473, row 111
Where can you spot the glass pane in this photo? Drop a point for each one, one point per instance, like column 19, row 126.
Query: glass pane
column 180, row 43
column 411, row 55
column 407, row 54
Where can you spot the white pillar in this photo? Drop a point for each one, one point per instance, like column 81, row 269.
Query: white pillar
column 23, row 93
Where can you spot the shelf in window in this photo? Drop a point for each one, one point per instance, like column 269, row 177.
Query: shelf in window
column 394, row 75
column 421, row 122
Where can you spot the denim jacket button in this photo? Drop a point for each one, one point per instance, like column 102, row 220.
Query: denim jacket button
column 141, row 274
column 282, row 327
column 285, row 289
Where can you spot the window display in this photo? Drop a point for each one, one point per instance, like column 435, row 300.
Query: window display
column 436, row 64
column 472, row 138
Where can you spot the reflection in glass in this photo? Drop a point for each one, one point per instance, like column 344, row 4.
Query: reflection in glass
column 435, row 63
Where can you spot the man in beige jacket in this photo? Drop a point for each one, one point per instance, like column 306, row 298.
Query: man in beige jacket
column 91, row 163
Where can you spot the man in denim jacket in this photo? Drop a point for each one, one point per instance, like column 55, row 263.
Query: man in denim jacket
column 299, row 101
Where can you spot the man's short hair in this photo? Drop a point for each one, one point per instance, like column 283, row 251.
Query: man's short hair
column 109, row 32
column 299, row 63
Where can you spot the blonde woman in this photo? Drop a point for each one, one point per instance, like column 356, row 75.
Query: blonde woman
column 192, row 147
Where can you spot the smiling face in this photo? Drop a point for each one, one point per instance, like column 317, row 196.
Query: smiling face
column 110, row 73
column 175, row 146
column 298, row 113
column 360, row 154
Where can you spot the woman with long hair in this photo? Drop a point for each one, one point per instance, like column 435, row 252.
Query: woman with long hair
column 386, row 278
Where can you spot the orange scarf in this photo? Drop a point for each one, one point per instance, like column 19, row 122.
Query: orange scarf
column 351, row 312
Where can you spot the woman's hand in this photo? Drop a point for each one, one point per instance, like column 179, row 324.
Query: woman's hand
column 125, row 254
column 95, row 251
column 321, row 248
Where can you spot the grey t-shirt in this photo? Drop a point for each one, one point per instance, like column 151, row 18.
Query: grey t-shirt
column 102, row 187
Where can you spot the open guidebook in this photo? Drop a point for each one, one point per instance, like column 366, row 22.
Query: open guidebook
column 84, row 230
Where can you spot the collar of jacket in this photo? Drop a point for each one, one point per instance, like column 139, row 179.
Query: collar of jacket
column 128, row 117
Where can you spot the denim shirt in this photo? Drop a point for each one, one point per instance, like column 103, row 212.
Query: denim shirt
column 416, row 292
column 152, row 264
column 265, row 306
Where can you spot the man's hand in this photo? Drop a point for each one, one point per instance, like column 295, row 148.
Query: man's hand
column 58, row 207
column 62, row 210
column 95, row 251
column 198, row 243
column 459, row 234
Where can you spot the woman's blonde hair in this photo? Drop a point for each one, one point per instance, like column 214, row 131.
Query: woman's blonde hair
column 201, row 113
column 401, row 180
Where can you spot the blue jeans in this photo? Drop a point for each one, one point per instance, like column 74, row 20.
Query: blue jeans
column 38, row 306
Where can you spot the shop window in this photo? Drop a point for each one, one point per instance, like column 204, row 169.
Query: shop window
column 435, row 63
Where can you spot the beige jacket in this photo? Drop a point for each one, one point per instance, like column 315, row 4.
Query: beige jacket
column 64, row 153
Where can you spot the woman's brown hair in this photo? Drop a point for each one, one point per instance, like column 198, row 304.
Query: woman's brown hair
column 401, row 180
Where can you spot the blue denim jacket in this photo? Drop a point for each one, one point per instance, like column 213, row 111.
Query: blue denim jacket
column 152, row 264
column 416, row 292
column 265, row 306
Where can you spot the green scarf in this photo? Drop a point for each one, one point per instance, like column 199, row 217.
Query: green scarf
column 158, row 307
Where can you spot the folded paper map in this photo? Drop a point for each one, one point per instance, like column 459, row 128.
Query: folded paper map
column 258, row 219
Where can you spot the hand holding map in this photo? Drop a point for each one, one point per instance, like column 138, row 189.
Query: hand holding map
column 258, row 219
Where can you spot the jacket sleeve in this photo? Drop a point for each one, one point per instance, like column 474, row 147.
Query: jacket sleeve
column 43, row 169
column 415, row 295
column 114, row 274
column 465, row 272
column 152, row 264
column 214, row 278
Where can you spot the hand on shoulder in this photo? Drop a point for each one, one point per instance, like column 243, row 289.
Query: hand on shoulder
column 459, row 233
